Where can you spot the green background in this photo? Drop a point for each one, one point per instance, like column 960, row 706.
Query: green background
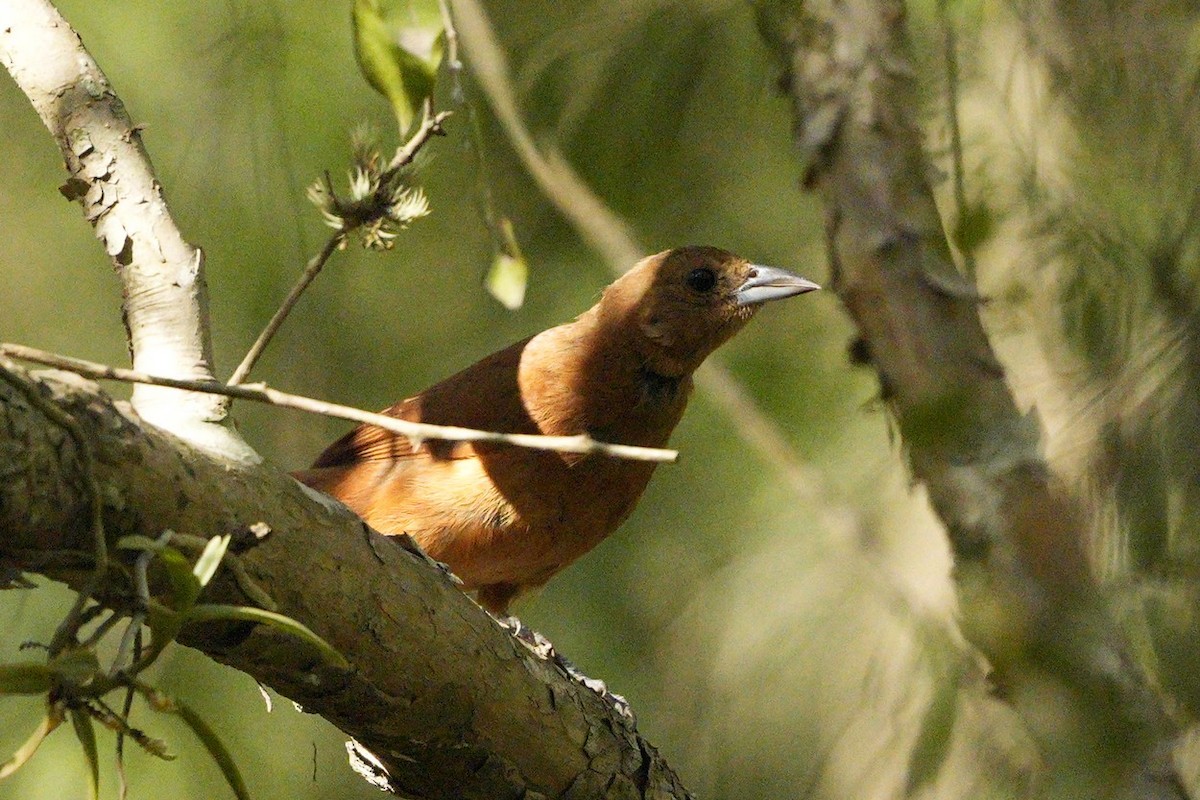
column 773, row 640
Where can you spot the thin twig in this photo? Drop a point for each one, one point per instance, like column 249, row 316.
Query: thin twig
column 950, row 48
column 101, row 630
column 126, row 709
column 141, row 584
column 431, row 125
column 311, row 270
column 415, row 432
column 453, row 64
column 603, row 230
column 69, row 627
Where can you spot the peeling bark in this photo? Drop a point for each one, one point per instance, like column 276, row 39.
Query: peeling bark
column 165, row 305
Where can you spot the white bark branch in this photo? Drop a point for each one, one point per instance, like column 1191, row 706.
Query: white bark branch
column 165, row 297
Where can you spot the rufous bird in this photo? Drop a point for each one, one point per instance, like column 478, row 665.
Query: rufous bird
column 504, row 518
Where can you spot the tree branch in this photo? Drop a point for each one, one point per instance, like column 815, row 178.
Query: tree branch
column 450, row 702
column 165, row 296
column 1018, row 537
column 415, row 432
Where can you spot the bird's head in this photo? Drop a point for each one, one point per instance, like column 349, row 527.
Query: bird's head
column 683, row 304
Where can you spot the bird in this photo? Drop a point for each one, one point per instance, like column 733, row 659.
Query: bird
column 503, row 518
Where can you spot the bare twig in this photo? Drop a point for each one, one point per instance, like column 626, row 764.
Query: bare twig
column 453, row 64
column 415, row 432
column 126, row 709
column 603, row 230
column 311, row 270
column 141, row 584
column 431, row 125
column 101, row 630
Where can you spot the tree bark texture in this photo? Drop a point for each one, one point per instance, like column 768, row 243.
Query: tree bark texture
column 165, row 307
column 1028, row 596
column 451, row 702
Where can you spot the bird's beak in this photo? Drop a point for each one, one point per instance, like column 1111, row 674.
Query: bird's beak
column 771, row 283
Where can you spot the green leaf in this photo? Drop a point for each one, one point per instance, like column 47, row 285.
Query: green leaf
column 86, row 734
column 946, row 667
column 974, row 227
column 25, row 752
column 509, row 273
column 206, row 566
column 185, row 588
column 398, row 45
column 216, row 749
column 77, row 667
column 164, row 624
column 28, row 678
column 207, row 612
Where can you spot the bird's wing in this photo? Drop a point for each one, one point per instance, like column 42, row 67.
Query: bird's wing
column 484, row 396
column 369, row 443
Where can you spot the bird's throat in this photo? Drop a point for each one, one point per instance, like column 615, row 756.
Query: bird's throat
column 656, row 387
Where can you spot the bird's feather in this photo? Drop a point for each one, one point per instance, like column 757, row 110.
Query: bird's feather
column 506, row 518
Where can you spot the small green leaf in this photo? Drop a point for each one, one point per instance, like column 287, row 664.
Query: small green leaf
column 185, row 588
column 87, row 738
column 399, row 44
column 509, row 274
column 28, row 678
column 205, row 612
column 206, row 566
column 75, row 667
column 946, row 667
column 216, row 749
column 164, row 624
column 974, row 227
column 25, row 752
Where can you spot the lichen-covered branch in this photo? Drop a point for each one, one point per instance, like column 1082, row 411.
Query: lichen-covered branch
column 452, row 704
column 1029, row 600
column 110, row 175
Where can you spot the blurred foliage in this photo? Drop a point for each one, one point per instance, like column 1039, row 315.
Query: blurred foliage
column 772, row 644
column 399, row 46
column 1103, row 239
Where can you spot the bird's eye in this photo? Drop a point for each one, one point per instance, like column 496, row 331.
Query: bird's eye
column 702, row 279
